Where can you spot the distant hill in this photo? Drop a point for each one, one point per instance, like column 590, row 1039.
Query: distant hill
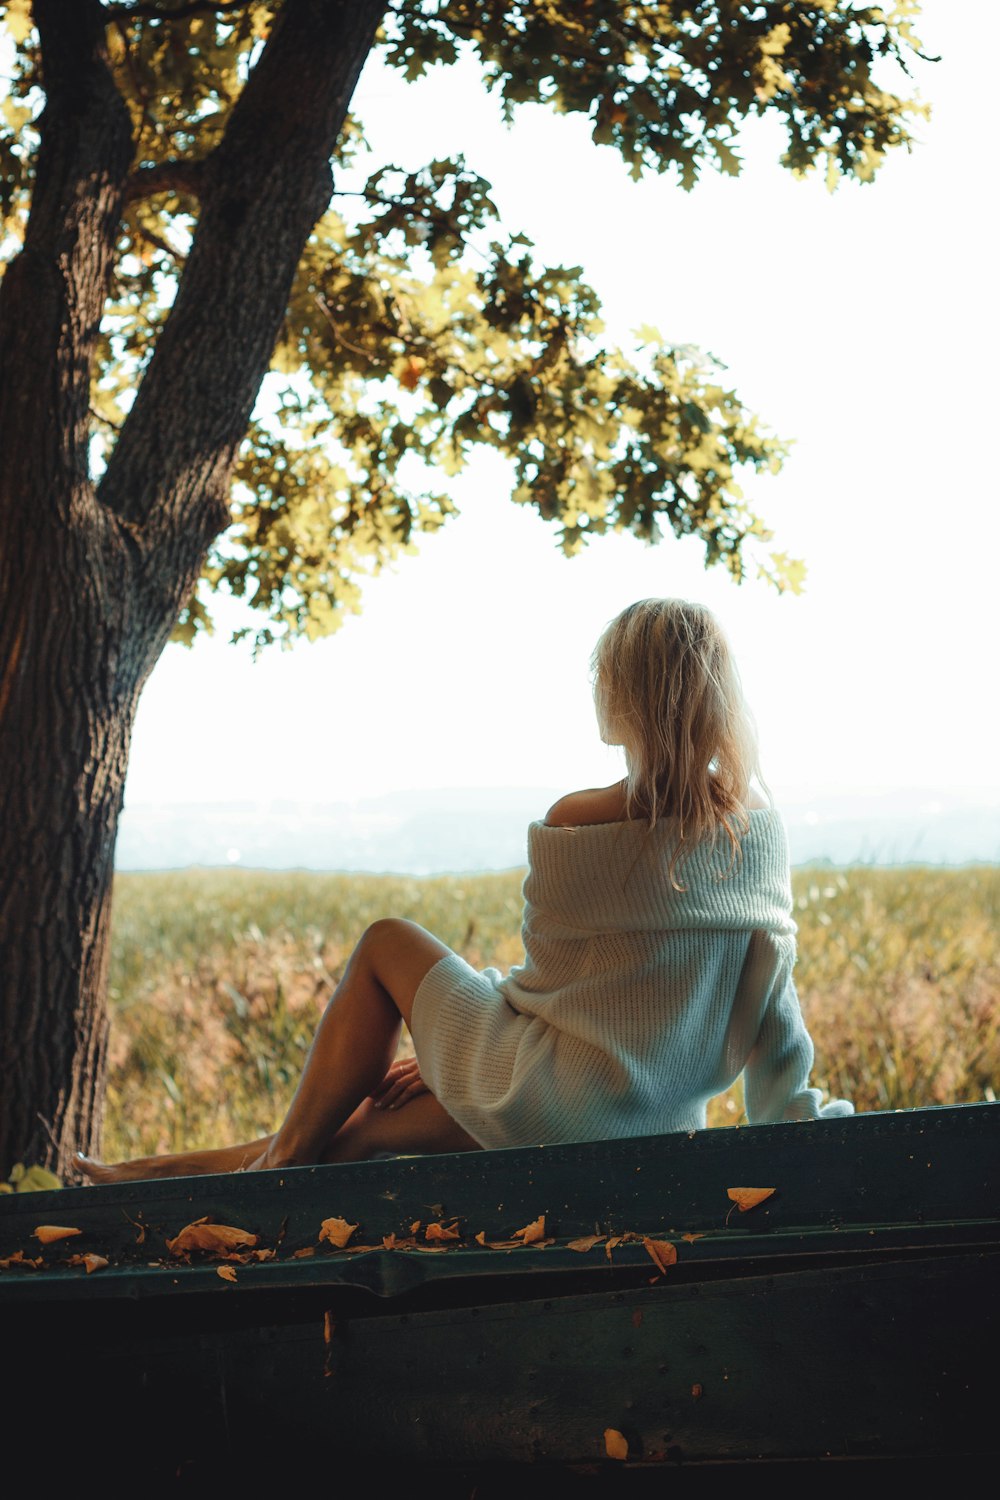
column 469, row 829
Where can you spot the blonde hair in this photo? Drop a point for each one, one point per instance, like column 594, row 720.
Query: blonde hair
column 666, row 688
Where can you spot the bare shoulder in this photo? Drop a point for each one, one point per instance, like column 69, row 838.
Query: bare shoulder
column 599, row 804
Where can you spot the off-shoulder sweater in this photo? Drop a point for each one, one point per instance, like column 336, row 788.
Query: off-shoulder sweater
column 636, row 1003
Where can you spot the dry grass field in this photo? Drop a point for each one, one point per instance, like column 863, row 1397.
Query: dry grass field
column 218, row 978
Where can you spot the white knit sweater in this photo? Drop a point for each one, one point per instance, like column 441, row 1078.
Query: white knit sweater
column 636, row 1002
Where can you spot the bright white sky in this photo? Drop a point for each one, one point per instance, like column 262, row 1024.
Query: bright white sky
column 864, row 325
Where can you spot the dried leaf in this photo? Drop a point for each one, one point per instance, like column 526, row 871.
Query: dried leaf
column 531, row 1232
column 361, row 1249
column 481, row 1237
column 692, row 1237
column 226, row 1272
column 432, row 1249
column 337, row 1231
column 218, row 1239
column 615, row 1443
column 304, row 1253
column 587, row 1243
column 262, row 1254
column 415, row 1227
column 747, row 1197
column 389, row 1242
column 615, row 1239
column 441, row 1231
column 47, row 1234
column 503, row 1244
column 20, row 1259
column 329, row 1327
column 661, row 1252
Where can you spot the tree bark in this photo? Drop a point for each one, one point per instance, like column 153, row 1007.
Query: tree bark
column 92, row 578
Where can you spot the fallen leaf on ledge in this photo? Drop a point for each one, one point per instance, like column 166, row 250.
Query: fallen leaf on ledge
column 661, row 1252
column 90, row 1262
column 218, row 1239
column 615, row 1444
column 692, row 1237
column 587, row 1243
column 337, row 1231
column 615, row 1239
column 20, row 1259
column 47, row 1234
column 532, row 1232
column 748, row 1197
column 304, row 1253
column 442, row 1231
column 226, row 1272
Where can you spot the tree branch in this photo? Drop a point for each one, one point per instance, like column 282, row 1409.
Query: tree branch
column 178, row 13
column 53, row 293
column 184, row 177
column 263, row 189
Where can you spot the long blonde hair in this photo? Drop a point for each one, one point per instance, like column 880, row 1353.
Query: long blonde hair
column 666, row 688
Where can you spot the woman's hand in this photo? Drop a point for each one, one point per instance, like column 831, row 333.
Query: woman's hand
column 401, row 1084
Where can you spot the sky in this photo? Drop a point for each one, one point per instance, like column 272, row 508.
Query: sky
column 862, row 324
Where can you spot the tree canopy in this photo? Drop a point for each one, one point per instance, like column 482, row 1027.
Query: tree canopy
column 419, row 326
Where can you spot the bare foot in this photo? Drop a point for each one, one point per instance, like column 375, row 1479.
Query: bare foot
column 142, row 1168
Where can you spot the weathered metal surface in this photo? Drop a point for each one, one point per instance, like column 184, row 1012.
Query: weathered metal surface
column 852, row 1316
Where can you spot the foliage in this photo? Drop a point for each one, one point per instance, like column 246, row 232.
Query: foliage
column 33, row 1179
column 419, row 327
column 219, row 977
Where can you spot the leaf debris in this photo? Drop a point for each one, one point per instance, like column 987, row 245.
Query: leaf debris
column 337, row 1231
column 47, row 1234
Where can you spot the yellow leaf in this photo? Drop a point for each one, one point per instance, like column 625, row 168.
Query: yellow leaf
column 692, row 1237
column 587, row 1243
column 49, row 1233
column 19, row 19
column 441, row 1231
column 304, row 1253
column 531, row 1232
column 615, row 1443
column 748, row 1197
column 38, row 1180
column 226, row 1272
column 337, row 1231
column 661, row 1252
column 218, row 1239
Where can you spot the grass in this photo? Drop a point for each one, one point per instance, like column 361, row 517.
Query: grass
column 219, row 976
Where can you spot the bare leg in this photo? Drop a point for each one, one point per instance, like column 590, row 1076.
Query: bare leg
column 331, row 1117
column 177, row 1164
column 419, row 1126
column 353, row 1047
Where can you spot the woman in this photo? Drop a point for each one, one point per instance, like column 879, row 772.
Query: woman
column 659, row 947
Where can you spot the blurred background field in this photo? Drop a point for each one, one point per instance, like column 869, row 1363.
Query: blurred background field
column 219, row 976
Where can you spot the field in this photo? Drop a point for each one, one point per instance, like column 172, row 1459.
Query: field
column 218, row 978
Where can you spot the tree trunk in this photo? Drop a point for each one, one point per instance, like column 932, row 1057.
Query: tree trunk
column 91, row 579
column 64, row 739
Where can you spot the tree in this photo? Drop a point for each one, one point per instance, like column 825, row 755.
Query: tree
column 171, row 233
